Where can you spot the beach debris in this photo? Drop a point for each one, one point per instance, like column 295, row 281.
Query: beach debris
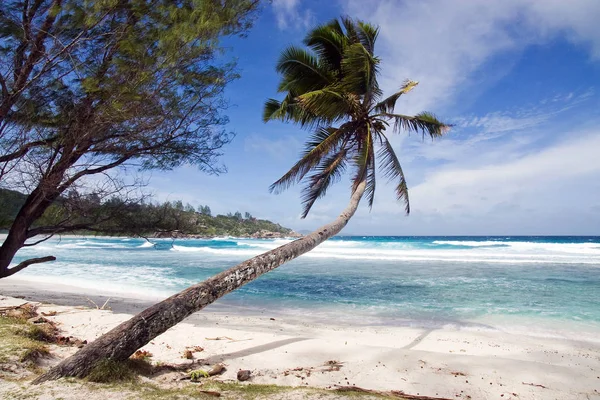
column 24, row 311
column 141, row 355
column 70, row 341
column 49, row 313
column 197, row 374
column 190, row 350
column 217, row 370
column 458, row 373
column 231, row 340
column 200, row 373
column 534, row 384
column 210, row 393
column 333, row 365
column 183, row 367
column 306, row 372
column 39, row 320
column 243, row 375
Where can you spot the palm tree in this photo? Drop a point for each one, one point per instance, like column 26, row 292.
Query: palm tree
column 336, row 83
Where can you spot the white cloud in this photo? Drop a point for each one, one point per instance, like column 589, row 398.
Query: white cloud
column 444, row 43
column 289, row 15
column 577, row 19
column 498, row 122
column 486, row 139
column 524, row 118
column 511, row 189
column 491, row 185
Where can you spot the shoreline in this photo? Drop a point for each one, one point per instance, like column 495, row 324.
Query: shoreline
column 133, row 302
column 179, row 236
column 443, row 362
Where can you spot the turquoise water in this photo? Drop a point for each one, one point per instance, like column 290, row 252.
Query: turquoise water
column 548, row 285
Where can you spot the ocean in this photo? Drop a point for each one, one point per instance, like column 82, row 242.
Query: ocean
column 546, row 286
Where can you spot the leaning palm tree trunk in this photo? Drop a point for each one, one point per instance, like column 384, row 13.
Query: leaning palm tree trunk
column 121, row 342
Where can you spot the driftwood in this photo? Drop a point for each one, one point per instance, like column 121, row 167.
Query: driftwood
column 394, row 393
column 49, row 314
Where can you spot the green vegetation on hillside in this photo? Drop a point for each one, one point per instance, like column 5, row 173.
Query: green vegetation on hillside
column 117, row 217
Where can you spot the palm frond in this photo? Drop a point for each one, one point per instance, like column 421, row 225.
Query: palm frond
column 328, row 42
column 290, row 110
column 329, row 104
column 330, row 172
column 273, row 110
column 391, row 168
column 388, row 105
column 351, row 29
column 302, row 68
column 425, row 122
column 367, row 34
column 323, row 142
column 360, row 70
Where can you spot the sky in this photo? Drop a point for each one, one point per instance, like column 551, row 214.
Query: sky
column 519, row 79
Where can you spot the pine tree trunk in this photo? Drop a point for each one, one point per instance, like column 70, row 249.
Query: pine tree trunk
column 35, row 205
column 121, row 342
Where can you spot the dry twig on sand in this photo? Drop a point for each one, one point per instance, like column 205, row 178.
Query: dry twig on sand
column 104, row 306
column 534, row 384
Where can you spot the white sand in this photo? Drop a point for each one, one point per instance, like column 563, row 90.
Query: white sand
column 444, row 362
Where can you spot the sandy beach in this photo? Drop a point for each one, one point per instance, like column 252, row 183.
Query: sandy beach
column 450, row 363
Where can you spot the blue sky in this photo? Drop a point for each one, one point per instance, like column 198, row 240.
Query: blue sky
column 518, row 78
